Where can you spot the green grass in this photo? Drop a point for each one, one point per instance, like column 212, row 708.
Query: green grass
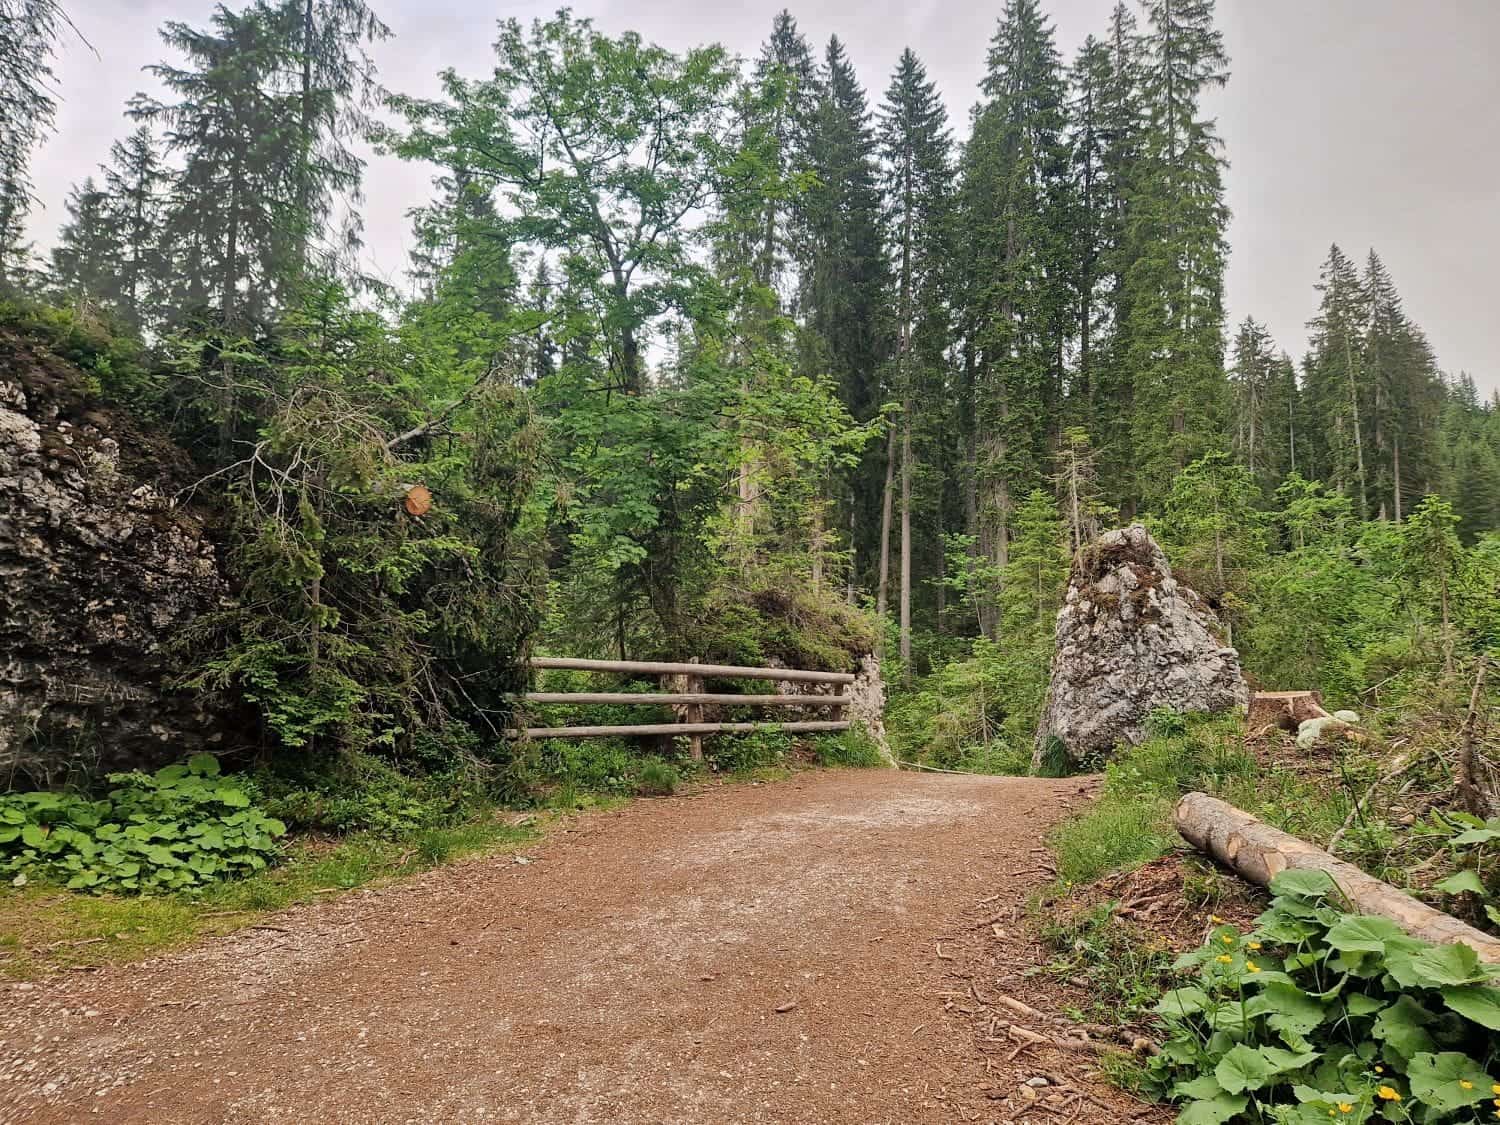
column 45, row 928
column 851, row 748
column 1124, row 973
column 1113, row 836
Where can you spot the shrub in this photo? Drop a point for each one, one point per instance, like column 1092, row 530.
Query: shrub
column 590, row 765
column 1317, row 1013
column 657, row 778
column 744, row 753
column 853, row 747
column 177, row 829
column 358, row 792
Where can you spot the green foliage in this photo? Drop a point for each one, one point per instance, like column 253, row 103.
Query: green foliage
column 1318, row 1012
column 1130, row 823
column 360, row 624
column 1112, row 837
column 590, row 765
column 657, row 777
column 1125, row 976
column 853, row 747
column 978, row 713
column 354, row 792
column 177, row 829
column 753, row 750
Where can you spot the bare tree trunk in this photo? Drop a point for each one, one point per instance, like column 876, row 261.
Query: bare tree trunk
column 1359, row 445
column 1396, row 471
column 886, row 502
column 906, row 547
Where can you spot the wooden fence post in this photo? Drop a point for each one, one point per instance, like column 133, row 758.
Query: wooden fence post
column 695, row 715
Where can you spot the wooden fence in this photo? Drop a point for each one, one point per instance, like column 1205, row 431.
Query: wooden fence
column 688, row 702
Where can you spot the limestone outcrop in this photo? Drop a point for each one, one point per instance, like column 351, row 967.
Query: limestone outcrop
column 1130, row 639
column 99, row 569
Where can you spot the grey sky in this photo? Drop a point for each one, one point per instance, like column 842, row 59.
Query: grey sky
column 1365, row 122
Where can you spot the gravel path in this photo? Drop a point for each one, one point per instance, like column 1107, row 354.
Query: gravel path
column 799, row 951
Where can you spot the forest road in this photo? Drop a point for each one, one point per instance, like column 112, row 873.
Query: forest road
column 824, row 948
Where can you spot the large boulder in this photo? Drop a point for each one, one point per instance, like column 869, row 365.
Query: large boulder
column 1130, row 639
column 99, row 570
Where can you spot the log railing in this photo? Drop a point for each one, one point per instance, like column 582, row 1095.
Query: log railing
column 688, row 702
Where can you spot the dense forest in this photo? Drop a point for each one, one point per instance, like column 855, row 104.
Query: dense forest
column 732, row 358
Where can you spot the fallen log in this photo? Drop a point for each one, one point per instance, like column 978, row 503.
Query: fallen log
column 1258, row 852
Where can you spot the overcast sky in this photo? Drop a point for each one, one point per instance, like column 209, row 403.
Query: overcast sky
column 1362, row 122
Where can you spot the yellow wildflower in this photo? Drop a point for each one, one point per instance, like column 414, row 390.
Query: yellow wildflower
column 1495, row 1089
column 1465, row 1084
column 1215, row 919
column 1253, row 944
column 1227, row 940
column 1388, row 1094
column 1379, row 1069
column 1224, row 959
column 1252, row 966
column 1345, row 1107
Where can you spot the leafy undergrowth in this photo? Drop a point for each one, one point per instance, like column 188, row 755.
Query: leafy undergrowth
column 1297, row 1020
column 1318, row 1013
column 44, row 929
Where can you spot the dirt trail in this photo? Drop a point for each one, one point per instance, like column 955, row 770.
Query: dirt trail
column 800, row 951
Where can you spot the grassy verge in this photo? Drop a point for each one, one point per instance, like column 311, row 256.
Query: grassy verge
column 44, row 929
column 1131, row 822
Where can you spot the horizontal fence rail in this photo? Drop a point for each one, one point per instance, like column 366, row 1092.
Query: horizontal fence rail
column 678, row 728
column 728, row 699
column 668, row 668
column 687, row 703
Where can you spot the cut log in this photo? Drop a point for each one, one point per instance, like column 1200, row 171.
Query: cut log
column 1258, row 852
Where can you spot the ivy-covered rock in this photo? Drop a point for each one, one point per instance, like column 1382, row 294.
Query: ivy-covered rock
column 1131, row 639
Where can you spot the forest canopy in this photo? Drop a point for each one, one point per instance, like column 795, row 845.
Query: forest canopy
column 701, row 356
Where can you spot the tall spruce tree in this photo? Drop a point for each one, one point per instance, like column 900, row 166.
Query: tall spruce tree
column 845, row 277
column 86, row 262
column 1336, row 386
column 1015, row 212
column 1176, row 233
column 135, row 180
column 233, row 218
column 1406, row 397
column 334, row 87
column 28, row 105
column 916, row 159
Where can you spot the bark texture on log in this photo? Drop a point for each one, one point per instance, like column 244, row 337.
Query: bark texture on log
column 1259, row 852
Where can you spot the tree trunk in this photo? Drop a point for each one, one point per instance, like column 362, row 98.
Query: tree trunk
column 887, row 501
column 1258, row 852
column 906, row 547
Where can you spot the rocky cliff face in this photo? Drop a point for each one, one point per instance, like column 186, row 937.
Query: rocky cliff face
column 98, row 570
column 1131, row 639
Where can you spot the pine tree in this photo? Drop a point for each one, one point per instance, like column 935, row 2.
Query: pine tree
column 28, row 33
column 1265, row 406
column 1336, row 382
column 233, row 207
column 1405, row 396
column 334, row 87
column 786, row 77
column 844, row 292
column 1015, row 216
column 86, row 262
column 135, row 179
column 1176, row 234
column 915, row 148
